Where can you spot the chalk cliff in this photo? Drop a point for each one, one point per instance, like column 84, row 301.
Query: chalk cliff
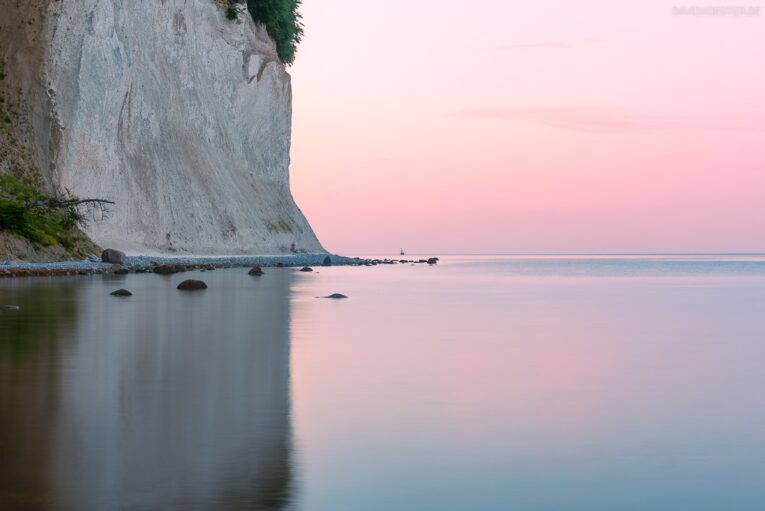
column 177, row 114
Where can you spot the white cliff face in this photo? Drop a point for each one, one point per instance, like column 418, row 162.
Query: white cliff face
column 178, row 115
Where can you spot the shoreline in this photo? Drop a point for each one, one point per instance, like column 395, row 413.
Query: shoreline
column 177, row 264
column 146, row 264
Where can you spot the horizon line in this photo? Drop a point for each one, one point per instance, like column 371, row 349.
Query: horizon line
column 586, row 253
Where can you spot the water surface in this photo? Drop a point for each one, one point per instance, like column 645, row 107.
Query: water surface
column 484, row 383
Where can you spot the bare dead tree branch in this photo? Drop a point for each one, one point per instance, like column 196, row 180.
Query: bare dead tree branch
column 54, row 203
column 77, row 211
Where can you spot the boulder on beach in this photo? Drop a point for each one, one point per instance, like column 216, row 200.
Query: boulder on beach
column 113, row 256
column 256, row 271
column 121, row 292
column 306, row 269
column 192, row 285
column 327, row 261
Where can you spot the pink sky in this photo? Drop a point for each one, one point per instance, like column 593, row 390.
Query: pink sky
column 530, row 127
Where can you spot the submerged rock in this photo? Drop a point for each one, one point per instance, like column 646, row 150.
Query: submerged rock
column 168, row 269
column 121, row 292
column 113, row 256
column 256, row 271
column 306, row 269
column 192, row 285
column 335, row 296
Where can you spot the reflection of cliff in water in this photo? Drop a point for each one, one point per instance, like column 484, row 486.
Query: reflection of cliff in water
column 169, row 400
column 30, row 342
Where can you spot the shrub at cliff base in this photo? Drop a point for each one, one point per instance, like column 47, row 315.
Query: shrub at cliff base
column 40, row 225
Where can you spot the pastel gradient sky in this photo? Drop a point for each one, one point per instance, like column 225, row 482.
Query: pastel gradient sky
column 549, row 126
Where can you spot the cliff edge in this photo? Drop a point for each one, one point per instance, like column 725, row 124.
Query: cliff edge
column 179, row 115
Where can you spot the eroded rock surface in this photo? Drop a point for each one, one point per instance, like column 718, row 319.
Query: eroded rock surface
column 180, row 116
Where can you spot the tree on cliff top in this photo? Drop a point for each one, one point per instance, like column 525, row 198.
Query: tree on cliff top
column 282, row 20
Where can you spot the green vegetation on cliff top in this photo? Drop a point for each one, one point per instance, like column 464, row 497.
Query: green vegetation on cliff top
column 282, row 21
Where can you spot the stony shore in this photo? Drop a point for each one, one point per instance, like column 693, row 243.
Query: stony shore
column 174, row 264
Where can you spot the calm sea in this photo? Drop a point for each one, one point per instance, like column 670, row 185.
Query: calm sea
column 612, row 383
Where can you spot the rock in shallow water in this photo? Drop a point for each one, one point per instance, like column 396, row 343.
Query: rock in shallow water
column 306, row 269
column 335, row 296
column 256, row 271
column 121, row 292
column 192, row 285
